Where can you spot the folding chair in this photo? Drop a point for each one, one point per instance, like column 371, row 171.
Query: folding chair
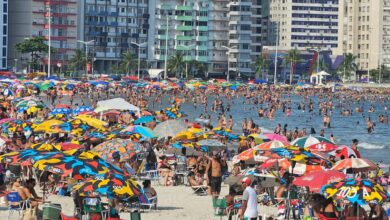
column 200, row 190
column 181, row 173
column 219, row 206
column 15, row 203
column 145, row 201
column 94, row 205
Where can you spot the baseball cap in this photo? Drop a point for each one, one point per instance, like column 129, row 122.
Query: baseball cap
column 246, row 180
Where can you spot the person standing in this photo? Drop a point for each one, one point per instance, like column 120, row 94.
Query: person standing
column 249, row 200
column 214, row 173
column 354, row 147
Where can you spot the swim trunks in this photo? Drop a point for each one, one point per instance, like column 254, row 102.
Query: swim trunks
column 215, row 184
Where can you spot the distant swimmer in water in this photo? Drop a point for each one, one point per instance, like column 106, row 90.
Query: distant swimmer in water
column 371, row 109
column 326, row 121
column 370, row 126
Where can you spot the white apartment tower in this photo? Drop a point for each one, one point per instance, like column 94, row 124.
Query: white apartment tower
column 3, row 34
column 303, row 24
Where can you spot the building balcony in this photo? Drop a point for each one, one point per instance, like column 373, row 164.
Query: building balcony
column 183, row 18
column 162, row 37
column 182, row 37
column 182, row 48
column 202, row 18
column 201, row 58
column 92, row 13
column 202, row 28
column 183, row 8
column 202, row 48
column 125, row 35
column 114, row 23
column 201, row 38
column 124, row 45
column 188, row 58
column 111, row 44
column 184, row 28
column 114, row 14
column 159, row 57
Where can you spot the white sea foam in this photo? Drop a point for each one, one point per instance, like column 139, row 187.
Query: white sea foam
column 371, row 146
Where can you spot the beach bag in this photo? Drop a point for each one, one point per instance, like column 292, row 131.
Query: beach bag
column 29, row 214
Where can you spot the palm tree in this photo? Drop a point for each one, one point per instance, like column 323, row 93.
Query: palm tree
column 292, row 58
column 77, row 62
column 128, row 62
column 260, row 64
column 176, row 63
column 348, row 65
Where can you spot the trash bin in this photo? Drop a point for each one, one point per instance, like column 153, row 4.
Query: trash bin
column 51, row 211
column 135, row 215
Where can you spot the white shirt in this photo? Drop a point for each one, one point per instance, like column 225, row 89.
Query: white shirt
column 251, row 197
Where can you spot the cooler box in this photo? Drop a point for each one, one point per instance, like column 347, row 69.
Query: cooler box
column 135, row 215
column 51, row 211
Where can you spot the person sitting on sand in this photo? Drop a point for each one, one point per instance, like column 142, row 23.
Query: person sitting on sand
column 166, row 171
column 148, row 189
column 27, row 191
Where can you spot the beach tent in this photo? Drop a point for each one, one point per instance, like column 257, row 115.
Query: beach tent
column 116, row 104
column 155, row 73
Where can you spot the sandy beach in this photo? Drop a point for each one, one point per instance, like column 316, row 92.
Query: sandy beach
column 176, row 202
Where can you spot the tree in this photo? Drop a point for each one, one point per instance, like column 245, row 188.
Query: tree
column 292, row 58
column 78, row 61
column 196, row 67
column 128, row 62
column 260, row 64
column 35, row 47
column 176, row 63
column 348, row 66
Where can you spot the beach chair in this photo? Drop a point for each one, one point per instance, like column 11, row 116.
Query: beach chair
column 219, row 206
column 200, row 190
column 145, row 201
column 181, row 173
column 16, row 204
column 94, row 205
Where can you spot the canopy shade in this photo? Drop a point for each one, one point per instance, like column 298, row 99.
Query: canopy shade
column 117, row 104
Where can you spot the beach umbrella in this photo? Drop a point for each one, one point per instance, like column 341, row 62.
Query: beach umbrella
column 180, row 144
column 45, row 147
column 82, row 110
column 272, row 162
column 345, row 151
column 270, row 145
column 211, row 145
column 355, row 191
column 29, row 103
column 309, row 140
column 80, row 168
column 322, row 147
column 114, row 185
column 315, row 180
column 355, row 164
column 191, row 133
column 144, row 120
column 189, row 151
column 126, row 148
column 259, row 138
column 297, row 154
column 145, row 132
column 48, row 126
column 63, row 111
column 23, row 157
column 91, row 121
column 276, row 137
column 169, row 128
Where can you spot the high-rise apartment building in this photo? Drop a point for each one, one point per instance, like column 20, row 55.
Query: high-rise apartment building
column 301, row 24
column 30, row 18
column 181, row 26
column 3, row 34
column 361, row 31
column 209, row 32
column 114, row 27
column 385, row 50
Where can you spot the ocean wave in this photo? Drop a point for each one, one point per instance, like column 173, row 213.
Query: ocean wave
column 371, row 146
